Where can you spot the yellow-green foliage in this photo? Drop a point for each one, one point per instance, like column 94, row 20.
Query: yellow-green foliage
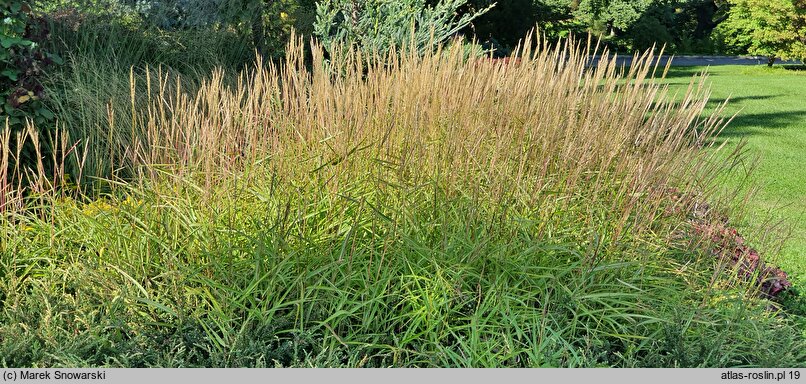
column 772, row 28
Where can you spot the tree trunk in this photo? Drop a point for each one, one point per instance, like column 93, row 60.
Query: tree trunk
column 770, row 60
column 705, row 19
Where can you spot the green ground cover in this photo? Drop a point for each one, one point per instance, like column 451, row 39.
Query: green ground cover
column 771, row 107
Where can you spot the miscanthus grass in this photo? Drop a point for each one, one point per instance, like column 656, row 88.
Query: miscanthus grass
column 404, row 210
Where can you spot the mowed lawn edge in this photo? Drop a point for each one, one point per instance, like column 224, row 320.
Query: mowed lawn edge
column 770, row 109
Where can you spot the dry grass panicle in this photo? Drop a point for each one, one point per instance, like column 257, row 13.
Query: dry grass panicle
column 542, row 131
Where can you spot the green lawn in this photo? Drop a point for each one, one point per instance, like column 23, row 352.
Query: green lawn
column 771, row 106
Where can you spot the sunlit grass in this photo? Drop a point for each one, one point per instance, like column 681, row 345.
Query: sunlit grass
column 424, row 211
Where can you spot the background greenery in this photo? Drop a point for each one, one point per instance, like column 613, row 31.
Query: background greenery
column 684, row 26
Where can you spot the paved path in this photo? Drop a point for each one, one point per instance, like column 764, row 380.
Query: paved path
column 688, row 61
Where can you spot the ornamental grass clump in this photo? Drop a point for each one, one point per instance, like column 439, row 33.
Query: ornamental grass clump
column 539, row 134
column 431, row 210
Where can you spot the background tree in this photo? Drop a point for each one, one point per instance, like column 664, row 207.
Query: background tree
column 266, row 23
column 707, row 13
column 681, row 25
column 684, row 26
column 376, row 25
column 509, row 21
column 771, row 28
column 611, row 17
